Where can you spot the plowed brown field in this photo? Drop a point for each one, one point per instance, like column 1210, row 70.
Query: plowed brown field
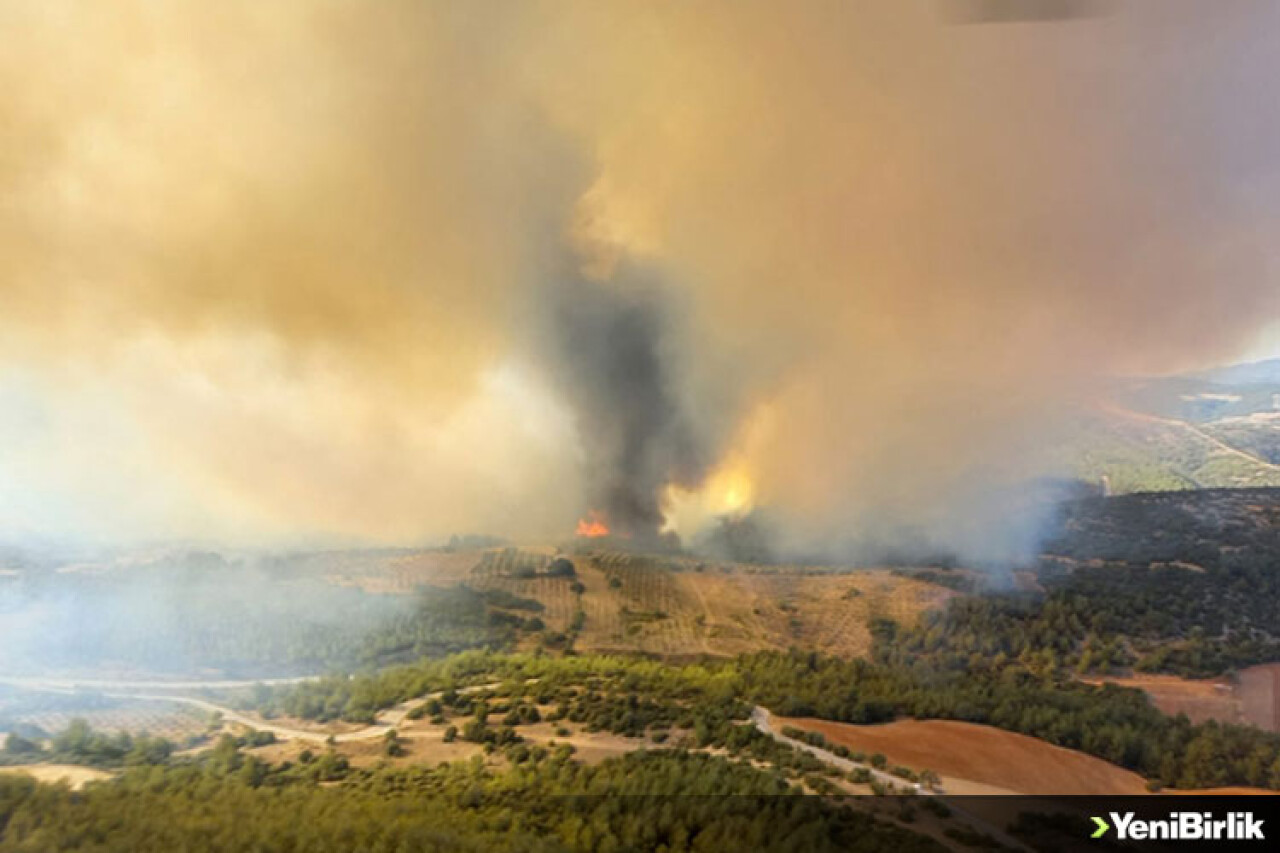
column 975, row 759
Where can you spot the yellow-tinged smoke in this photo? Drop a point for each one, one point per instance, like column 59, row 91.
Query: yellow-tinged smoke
column 729, row 491
column 726, row 493
column 275, row 270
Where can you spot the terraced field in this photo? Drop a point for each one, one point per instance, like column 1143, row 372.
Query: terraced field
column 553, row 593
column 668, row 605
column 161, row 719
column 401, row 574
column 676, row 606
column 828, row 612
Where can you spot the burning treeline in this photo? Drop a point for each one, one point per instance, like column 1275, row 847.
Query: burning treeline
column 320, row 271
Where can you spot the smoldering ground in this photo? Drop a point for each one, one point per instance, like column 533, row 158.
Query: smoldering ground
column 272, row 273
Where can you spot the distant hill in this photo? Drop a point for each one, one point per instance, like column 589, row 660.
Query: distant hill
column 1214, row 429
column 1253, row 373
column 1204, row 527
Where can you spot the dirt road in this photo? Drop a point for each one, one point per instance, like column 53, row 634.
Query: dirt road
column 385, row 721
column 761, row 719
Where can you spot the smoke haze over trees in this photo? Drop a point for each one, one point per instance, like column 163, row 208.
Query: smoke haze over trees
column 274, row 274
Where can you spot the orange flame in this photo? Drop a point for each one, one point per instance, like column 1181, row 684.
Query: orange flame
column 593, row 526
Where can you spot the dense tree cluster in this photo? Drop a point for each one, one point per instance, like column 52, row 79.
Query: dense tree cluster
column 80, row 744
column 544, row 802
column 1115, row 723
column 710, row 700
column 506, row 599
column 1181, row 583
column 1106, row 619
column 1200, row 527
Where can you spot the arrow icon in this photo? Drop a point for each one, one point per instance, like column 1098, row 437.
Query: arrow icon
column 1102, row 828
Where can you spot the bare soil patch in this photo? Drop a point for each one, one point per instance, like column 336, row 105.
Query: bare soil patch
column 589, row 747
column 982, row 755
column 976, row 759
column 1259, row 691
column 1200, row 699
column 1251, row 698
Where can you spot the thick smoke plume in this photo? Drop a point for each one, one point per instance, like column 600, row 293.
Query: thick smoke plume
column 627, row 369
column 288, row 272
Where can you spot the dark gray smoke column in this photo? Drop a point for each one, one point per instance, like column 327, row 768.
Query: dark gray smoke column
column 625, row 364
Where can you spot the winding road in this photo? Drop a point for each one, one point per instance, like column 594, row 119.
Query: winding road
column 393, row 717
column 385, row 720
column 762, row 720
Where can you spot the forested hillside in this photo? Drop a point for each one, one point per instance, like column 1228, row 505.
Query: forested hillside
column 1026, row 695
column 230, row 803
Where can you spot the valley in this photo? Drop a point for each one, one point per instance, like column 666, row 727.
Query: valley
column 919, row 681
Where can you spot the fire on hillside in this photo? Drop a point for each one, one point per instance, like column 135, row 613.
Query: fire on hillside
column 593, row 526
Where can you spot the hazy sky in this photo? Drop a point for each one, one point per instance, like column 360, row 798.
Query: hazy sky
column 277, row 272
column 1265, row 345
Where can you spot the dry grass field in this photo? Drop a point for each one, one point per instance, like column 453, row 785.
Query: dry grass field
column 75, row 777
column 667, row 605
column 831, row 613
column 423, row 743
column 670, row 607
